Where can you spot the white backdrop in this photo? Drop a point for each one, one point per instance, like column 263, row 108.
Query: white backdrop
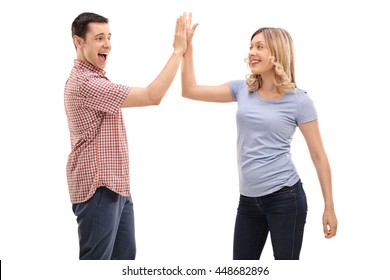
column 183, row 155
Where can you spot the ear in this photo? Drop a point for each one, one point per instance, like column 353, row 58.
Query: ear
column 77, row 41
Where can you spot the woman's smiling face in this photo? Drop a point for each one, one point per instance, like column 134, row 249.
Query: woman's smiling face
column 259, row 55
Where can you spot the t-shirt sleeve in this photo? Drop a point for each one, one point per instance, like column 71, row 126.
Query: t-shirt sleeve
column 306, row 109
column 235, row 88
column 102, row 95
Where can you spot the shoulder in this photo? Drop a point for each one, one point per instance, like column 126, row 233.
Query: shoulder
column 305, row 106
column 301, row 92
column 238, row 86
column 237, row 83
column 302, row 96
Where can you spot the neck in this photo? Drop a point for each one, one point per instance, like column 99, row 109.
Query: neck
column 270, row 91
column 268, row 86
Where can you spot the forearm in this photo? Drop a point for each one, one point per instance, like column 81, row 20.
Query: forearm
column 329, row 219
column 157, row 89
column 188, row 80
column 325, row 178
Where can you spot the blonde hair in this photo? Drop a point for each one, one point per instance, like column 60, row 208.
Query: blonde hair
column 280, row 44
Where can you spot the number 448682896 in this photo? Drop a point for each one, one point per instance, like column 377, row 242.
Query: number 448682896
column 242, row 270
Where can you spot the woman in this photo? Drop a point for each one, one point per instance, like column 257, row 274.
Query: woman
column 270, row 107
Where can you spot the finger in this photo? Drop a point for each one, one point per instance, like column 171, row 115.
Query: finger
column 183, row 25
column 177, row 25
column 194, row 27
column 189, row 20
column 330, row 230
column 183, row 19
column 330, row 234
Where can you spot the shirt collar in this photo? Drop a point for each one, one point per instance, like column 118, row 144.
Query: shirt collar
column 88, row 66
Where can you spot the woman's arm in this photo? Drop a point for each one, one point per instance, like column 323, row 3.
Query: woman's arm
column 318, row 155
column 190, row 89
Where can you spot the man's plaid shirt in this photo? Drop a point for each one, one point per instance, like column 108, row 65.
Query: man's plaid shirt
column 99, row 153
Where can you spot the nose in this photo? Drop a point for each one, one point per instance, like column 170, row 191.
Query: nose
column 107, row 44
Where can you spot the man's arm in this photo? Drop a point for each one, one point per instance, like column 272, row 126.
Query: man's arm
column 155, row 91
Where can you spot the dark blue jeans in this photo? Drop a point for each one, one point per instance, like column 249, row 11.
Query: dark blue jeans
column 282, row 213
column 106, row 226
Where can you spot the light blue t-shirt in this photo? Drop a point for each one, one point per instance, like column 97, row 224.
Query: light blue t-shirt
column 265, row 129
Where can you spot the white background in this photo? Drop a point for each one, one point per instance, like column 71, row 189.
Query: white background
column 183, row 156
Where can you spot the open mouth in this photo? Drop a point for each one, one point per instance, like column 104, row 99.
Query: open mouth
column 255, row 62
column 102, row 57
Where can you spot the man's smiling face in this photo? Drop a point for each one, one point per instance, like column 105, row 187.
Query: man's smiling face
column 96, row 46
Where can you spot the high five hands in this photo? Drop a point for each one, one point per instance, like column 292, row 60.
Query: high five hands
column 183, row 33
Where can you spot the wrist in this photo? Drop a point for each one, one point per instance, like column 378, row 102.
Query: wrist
column 329, row 206
column 178, row 51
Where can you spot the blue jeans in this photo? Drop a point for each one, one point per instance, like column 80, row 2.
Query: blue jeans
column 106, row 226
column 282, row 213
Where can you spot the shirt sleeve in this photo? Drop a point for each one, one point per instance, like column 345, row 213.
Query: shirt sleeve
column 235, row 88
column 102, row 95
column 306, row 109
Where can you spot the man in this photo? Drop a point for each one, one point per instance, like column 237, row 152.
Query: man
column 98, row 164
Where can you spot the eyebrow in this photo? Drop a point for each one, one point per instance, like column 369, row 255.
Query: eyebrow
column 261, row 41
column 100, row 34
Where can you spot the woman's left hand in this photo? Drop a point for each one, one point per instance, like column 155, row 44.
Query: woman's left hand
column 329, row 222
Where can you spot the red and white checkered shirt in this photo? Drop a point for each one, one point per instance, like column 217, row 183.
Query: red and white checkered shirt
column 99, row 153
